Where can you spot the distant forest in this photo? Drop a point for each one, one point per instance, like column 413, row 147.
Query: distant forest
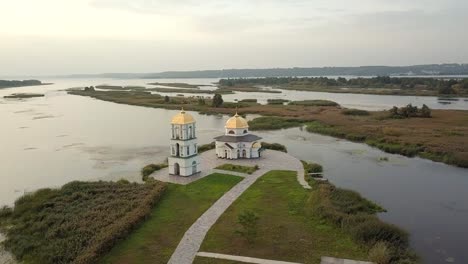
column 8, row 84
column 443, row 86
column 429, row 69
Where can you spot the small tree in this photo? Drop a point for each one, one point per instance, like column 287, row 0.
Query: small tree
column 166, row 99
column 425, row 111
column 248, row 220
column 217, row 100
column 201, row 101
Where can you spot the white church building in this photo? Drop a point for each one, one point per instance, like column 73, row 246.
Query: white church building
column 183, row 159
column 237, row 142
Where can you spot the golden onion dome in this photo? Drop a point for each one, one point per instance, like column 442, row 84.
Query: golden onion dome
column 182, row 118
column 236, row 121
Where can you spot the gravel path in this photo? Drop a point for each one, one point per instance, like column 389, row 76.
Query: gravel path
column 188, row 247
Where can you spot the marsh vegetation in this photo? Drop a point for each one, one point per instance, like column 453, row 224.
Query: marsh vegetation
column 77, row 223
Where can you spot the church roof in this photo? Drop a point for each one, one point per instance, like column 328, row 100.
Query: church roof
column 236, row 121
column 182, row 118
column 245, row 138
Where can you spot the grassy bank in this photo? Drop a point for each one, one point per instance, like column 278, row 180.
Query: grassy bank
column 238, row 168
column 77, row 223
column 271, row 123
column 440, row 138
column 156, row 239
column 355, row 215
column 437, row 145
column 287, row 226
column 150, row 168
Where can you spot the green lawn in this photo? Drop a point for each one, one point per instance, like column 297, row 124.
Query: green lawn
column 157, row 238
column 289, row 228
column 238, row 168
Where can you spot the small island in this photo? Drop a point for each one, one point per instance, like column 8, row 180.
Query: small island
column 23, row 95
column 15, row 83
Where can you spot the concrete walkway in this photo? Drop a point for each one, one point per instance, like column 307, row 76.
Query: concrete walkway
column 188, row 247
column 242, row 259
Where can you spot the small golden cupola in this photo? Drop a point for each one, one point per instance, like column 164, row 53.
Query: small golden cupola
column 182, row 118
column 236, row 121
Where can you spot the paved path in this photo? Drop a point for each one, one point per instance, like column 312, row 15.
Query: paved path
column 188, row 247
column 242, row 259
column 330, row 260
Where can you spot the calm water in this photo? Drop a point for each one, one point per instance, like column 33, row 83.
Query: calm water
column 49, row 141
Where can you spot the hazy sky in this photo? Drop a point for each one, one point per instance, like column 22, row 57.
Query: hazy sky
column 94, row 36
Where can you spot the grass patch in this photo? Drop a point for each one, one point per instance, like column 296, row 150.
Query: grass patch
column 314, row 103
column 311, row 167
column 238, row 168
column 272, row 123
column 321, row 128
column 77, row 223
column 274, row 146
column 149, row 169
column 180, row 207
column 276, row 101
column 288, row 227
column 355, row 112
column 409, row 150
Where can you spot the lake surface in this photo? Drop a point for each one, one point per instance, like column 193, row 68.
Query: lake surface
column 49, row 141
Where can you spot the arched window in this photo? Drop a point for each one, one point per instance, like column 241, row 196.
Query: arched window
column 231, row 132
column 194, row 167
column 188, row 150
column 245, row 131
column 190, row 132
column 177, row 132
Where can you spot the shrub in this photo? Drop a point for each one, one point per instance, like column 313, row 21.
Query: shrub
column 149, row 169
column 410, row 111
column 123, row 181
column 355, row 112
column 206, row 147
column 373, row 231
column 274, row 146
column 380, row 253
column 312, row 167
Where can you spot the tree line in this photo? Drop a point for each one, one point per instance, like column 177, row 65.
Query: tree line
column 15, row 83
column 443, row 86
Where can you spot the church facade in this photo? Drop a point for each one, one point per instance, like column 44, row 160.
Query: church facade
column 183, row 159
column 237, row 142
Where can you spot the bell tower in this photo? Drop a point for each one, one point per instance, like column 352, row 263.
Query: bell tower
column 183, row 159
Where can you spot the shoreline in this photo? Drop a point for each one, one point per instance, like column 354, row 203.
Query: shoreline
column 375, row 128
